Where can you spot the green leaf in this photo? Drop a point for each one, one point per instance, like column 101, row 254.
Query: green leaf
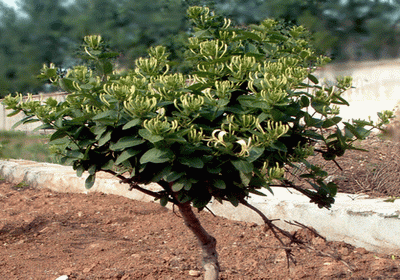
column 245, row 178
column 233, row 199
column 219, row 184
column 194, row 162
column 105, row 138
column 174, row 138
column 257, row 192
column 156, row 155
column 243, row 166
column 127, row 154
column 202, row 33
column 199, row 86
column 308, row 175
column 164, row 201
column 248, row 35
column 312, row 135
column 319, row 106
column 313, row 122
column 89, row 182
column 126, row 142
column 60, row 133
column 255, row 153
column 86, row 86
column 24, row 121
column 173, row 176
column 67, row 85
column 304, row 101
column 341, row 101
column 358, row 132
column 304, row 54
column 164, row 172
column 259, row 181
column 201, row 201
column 277, row 37
column 277, row 145
column 98, row 130
column 92, row 169
column 313, row 79
column 131, row 123
column 66, row 160
column 332, row 189
column 252, row 102
column 251, row 49
column 13, row 113
column 331, row 122
column 80, row 170
column 28, row 120
column 107, row 115
column 213, row 170
column 149, row 136
column 50, row 72
column 43, row 126
column 177, row 186
column 108, row 165
column 75, row 154
column 86, row 142
column 204, row 74
column 188, row 185
column 59, row 123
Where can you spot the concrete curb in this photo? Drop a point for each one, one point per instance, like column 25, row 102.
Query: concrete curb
column 370, row 223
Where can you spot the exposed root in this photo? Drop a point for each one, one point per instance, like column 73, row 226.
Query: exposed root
column 296, row 223
column 276, row 230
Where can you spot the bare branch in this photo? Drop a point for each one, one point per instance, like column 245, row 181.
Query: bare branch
column 133, row 185
column 209, row 210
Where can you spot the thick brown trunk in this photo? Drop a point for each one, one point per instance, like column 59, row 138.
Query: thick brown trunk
column 207, row 242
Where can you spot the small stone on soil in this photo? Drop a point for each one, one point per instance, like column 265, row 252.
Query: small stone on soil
column 63, row 277
column 194, row 273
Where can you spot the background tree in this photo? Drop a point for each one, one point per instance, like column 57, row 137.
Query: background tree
column 8, row 49
column 242, row 119
column 29, row 41
column 367, row 29
column 45, row 31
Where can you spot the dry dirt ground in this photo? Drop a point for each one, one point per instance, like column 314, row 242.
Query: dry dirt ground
column 44, row 235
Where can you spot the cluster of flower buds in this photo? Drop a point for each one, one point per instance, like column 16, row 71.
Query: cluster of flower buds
column 240, row 66
column 140, row 106
column 160, row 125
column 189, row 104
column 119, row 91
column 93, row 41
column 274, row 172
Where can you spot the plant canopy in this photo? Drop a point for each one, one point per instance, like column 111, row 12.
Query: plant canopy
column 249, row 111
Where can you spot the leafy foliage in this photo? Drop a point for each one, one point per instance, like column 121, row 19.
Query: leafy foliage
column 348, row 30
column 249, row 110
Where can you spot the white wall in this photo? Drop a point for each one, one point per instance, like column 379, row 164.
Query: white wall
column 6, row 123
column 376, row 86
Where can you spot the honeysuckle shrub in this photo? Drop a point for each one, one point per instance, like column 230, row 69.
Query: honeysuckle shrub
column 249, row 111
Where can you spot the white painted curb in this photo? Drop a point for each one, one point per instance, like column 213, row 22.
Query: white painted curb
column 357, row 220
